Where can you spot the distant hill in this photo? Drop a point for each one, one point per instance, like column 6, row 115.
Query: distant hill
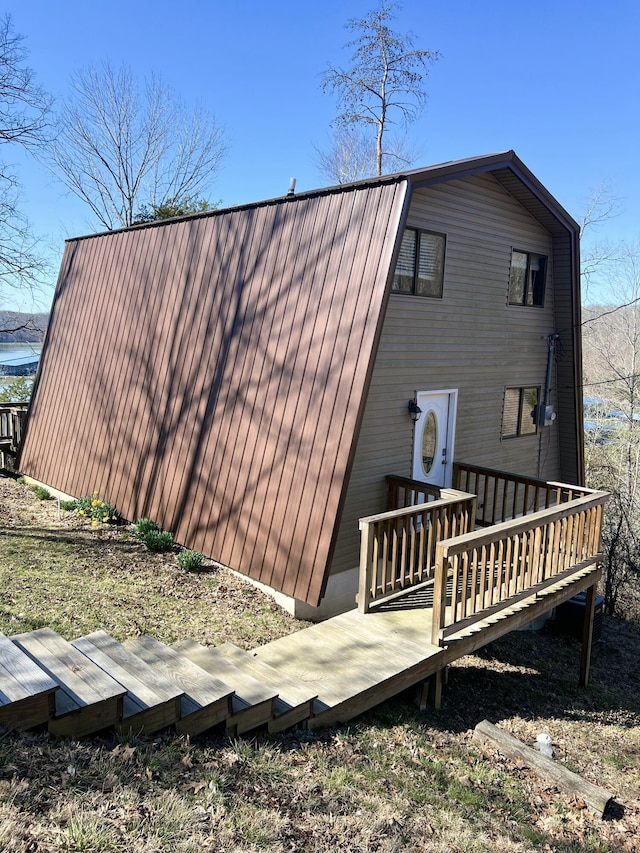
column 17, row 327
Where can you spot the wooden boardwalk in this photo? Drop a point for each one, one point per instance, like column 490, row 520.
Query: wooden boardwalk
column 325, row 674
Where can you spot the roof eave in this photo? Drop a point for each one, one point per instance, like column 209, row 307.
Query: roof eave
column 494, row 163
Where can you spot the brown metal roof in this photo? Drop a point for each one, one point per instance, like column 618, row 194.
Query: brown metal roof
column 210, row 373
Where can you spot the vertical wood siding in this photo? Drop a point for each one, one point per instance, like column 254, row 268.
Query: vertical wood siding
column 208, row 373
column 472, row 340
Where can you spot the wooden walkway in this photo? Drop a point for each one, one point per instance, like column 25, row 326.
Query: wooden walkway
column 322, row 675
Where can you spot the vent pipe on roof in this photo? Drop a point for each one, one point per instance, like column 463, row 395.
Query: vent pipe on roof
column 292, row 187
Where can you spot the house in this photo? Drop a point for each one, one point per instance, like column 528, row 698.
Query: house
column 248, row 377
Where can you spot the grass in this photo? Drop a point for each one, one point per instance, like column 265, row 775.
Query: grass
column 75, row 578
column 393, row 779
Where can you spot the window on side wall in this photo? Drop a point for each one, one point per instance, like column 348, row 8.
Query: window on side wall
column 527, row 278
column 519, row 413
column 420, row 267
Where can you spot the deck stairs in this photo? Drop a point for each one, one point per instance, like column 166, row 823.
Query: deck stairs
column 141, row 686
column 325, row 674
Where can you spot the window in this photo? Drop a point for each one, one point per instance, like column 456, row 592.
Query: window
column 527, row 278
column 420, row 267
column 519, row 415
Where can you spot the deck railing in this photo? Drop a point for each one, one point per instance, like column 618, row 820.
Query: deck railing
column 403, row 491
column 398, row 548
column 483, row 571
column 12, row 420
column 503, row 496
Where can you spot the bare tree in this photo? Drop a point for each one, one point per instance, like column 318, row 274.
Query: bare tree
column 611, row 343
column 351, row 156
column 385, row 81
column 24, row 113
column 122, row 146
column 596, row 256
column 24, row 106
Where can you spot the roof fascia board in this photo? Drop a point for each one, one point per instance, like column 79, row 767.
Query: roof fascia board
column 576, row 311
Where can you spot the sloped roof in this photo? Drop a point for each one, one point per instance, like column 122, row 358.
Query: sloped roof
column 211, row 371
column 209, row 374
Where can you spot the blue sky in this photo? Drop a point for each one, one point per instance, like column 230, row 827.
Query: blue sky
column 556, row 80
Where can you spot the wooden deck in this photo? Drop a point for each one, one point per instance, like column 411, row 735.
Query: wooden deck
column 322, row 675
column 12, row 420
column 355, row 661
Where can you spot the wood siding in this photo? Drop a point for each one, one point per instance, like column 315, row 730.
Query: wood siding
column 208, row 373
column 470, row 340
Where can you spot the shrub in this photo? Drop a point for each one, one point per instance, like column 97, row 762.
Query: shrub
column 190, row 561
column 96, row 510
column 144, row 526
column 158, row 541
column 41, row 493
column 69, row 506
column 16, row 390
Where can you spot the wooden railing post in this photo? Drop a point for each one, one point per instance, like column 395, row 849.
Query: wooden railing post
column 366, row 565
column 12, row 419
column 587, row 635
column 439, row 595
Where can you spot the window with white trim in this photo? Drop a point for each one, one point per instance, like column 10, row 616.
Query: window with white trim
column 420, row 267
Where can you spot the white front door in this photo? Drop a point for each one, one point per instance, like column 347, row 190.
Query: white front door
column 434, row 436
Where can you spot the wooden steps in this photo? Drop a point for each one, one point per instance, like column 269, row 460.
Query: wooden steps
column 26, row 691
column 206, row 700
column 272, row 697
column 141, row 686
column 253, row 703
column 87, row 699
column 295, row 701
column 152, row 701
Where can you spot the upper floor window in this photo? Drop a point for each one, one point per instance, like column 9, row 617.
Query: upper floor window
column 420, row 267
column 527, row 278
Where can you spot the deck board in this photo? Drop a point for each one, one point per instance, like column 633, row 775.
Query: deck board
column 347, row 659
column 21, row 677
column 152, row 700
column 253, row 702
column 206, row 701
column 88, row 699
column 26, row 691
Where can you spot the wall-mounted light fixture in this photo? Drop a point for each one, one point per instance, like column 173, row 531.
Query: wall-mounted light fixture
column 414, row 410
